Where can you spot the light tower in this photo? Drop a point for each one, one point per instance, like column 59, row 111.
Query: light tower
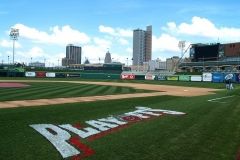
column 14, row 34
column 181, row 46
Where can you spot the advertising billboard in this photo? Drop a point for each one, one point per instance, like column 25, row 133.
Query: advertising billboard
column 161, row 78
column 73, row 75
column 149, row 77
column 60, row 75
column 238, row 77
column 196, row 78
column 172, row 78
column 40, row 74
column 184, row 78
column 207, row 77
column 128, row 76
column 50, row 74
column 217, row 77
column 30, row 74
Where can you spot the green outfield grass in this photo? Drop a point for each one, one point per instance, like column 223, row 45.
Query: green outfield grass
column 37, row 90
column 209, row 130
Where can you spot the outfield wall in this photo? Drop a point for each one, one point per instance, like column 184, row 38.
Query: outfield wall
column 205, row 77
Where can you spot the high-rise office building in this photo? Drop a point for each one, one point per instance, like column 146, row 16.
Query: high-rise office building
column 73, row 55
column 142, row 45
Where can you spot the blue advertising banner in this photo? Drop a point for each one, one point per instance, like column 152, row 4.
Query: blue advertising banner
column 238, row 77
column 217, row 77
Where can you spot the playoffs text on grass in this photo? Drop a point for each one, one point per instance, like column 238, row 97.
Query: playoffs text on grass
column 71, row 146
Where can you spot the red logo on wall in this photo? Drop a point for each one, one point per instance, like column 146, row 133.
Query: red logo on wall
column 40, row 74
column 127, row 76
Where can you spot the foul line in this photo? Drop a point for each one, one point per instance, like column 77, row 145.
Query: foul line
column 215, row 99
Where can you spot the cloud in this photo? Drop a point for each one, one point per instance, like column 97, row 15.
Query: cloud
column 34, row 53
column 203, row 27
column 58, row 35
column 119, row 32
column 123, row 41
column 38, row 54
column 9, row 44
column 129, row 50
column 165, row 43
column 102, row 43
column 93, row 53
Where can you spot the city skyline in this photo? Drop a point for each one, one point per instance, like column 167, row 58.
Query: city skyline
column 46, row 27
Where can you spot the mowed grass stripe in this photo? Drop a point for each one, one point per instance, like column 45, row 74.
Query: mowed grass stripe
column 43, row 92
column 34, row 94
column 77, row 91
column 96, row 91
column 64, row 92
column 60, row 92
column 5, row 91
column 111, row 90
column 12, row 92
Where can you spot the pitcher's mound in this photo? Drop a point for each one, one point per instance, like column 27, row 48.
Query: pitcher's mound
column 12, row 85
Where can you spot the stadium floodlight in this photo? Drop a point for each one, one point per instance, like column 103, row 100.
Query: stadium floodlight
column 14, row 34
column 181, row 46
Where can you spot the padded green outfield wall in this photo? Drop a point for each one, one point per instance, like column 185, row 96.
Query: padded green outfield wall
column 184, row 78
column 99, row 76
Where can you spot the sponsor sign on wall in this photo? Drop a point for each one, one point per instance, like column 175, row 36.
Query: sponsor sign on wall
column 196, row 78
column 73, row 75
column 50, row 74
column 127, row 76
column 172, row 78
column 238, row 77
column 67, row 138
column 149, row 77
column 40, row 74
column 60, row 75
column 184, row 78
column 30, row 74
column 207, row 77
column 161, row 78
column 217, row 77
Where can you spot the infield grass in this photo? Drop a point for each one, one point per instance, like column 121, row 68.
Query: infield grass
column 39, row 90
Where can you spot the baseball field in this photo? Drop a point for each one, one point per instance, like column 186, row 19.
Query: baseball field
column 118, row 120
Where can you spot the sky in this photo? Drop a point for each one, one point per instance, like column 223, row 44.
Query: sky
column 47, row 26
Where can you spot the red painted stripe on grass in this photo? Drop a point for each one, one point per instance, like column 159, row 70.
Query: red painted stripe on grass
column 84, row 149
column 78, row 126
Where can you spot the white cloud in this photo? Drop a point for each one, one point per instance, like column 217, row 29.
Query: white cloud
column 123, row 41
column 129, row 50
column 116, row 57
column 102, row 43
column 204, row 28
column 165, row 43
column 36, row 53
column 93, row 53
column 58, row 35
column 108, row 30
column 119, row 32
column 9, row 44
